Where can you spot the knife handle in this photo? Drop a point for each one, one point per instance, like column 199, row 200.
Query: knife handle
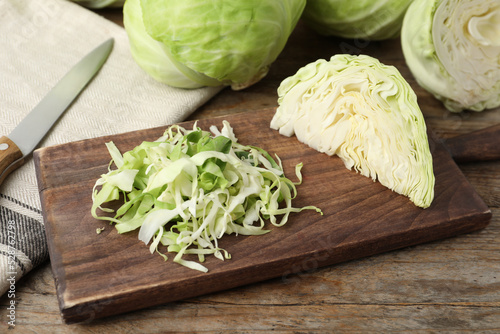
column 11, row 157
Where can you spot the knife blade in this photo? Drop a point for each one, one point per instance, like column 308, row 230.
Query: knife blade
column 27, row 135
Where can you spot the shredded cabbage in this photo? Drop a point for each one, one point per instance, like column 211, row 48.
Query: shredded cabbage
column 189, row 188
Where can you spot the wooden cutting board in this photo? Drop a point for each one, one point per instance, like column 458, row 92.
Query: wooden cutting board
column 98, row 275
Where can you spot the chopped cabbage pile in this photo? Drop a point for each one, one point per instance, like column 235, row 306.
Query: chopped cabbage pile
column 367, row 114
column 189, row 188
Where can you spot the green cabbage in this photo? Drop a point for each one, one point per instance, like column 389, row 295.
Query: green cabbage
column 365, row 19
column 195, row 43
column 100, row 3
column 189, row 188
column 452, row 47
column 365, row 113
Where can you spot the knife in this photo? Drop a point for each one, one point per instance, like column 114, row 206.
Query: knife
column 27, row 135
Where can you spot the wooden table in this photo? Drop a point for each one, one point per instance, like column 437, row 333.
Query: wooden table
column 451, row 285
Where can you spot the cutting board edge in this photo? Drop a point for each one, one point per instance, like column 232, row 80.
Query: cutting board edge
column 48, row 230
column 290, row 271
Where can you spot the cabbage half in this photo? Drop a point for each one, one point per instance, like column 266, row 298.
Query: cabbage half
column 195, row 43
column 366, row 19
column 365, row 113
column 452, row 48
column 100, row 3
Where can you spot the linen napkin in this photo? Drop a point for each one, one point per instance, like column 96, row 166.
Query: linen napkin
column 40, row 40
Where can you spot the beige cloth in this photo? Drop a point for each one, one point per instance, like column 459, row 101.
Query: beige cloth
column 40, row 40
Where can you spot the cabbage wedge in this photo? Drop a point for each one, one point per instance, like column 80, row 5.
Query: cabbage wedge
column 452, row 47
column 367, row 114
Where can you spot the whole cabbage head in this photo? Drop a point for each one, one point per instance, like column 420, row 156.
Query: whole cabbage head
column 365, row 19
column 94, row 4
column 452, row 47
column 365, row 113
column 195, row 43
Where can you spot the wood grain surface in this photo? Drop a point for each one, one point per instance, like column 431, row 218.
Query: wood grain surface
column 479, row 145
column 447, row 286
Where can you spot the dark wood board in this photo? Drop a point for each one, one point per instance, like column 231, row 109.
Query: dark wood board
column 98, row 275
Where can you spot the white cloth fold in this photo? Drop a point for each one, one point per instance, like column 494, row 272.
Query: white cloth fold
column 40, row 40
